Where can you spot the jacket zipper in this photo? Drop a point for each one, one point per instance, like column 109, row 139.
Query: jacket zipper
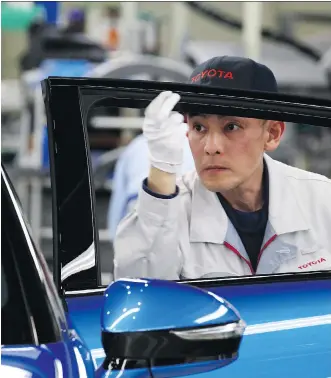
column 265, row 247
column 234, row 250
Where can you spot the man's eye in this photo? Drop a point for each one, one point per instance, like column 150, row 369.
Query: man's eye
column 231, row 127
column 199, row 128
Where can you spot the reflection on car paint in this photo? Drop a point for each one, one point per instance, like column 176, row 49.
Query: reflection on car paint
column 270, row 311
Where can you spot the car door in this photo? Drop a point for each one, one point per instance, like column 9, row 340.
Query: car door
column 36, row 340
column 288, row 316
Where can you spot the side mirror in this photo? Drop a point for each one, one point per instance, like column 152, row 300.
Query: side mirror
column 175, row 329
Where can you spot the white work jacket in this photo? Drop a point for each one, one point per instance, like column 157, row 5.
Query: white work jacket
column 131, row 168
column 190, row 236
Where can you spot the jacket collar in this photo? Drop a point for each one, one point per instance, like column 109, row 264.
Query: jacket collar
column 209, row 222
column 285, row 213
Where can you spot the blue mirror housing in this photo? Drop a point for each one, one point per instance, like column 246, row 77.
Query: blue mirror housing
column 146, row 319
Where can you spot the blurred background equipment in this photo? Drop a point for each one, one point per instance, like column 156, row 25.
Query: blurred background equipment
column 148, row 41
column 19, row 15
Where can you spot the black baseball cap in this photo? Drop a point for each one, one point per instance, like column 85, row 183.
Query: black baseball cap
column 234, row 73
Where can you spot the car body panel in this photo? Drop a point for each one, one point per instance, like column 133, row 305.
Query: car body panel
column 133, row 373
column 68, row 358
column 40, row 361
column 291, row 319
column 85, row 315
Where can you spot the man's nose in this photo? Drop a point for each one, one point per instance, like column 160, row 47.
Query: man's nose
column 214, row 144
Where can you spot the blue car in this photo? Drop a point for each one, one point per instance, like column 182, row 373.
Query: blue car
column 72, row 326
column 39, row 338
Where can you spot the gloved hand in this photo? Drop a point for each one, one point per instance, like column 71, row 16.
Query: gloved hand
column 165, row 132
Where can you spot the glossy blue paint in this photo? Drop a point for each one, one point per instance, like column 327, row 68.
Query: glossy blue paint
column 184, row 370
column 134, row 373
column 69, row 358
column 287, row 349
column 279, row 301
column 40, row 361
column 84, row 316
column 80, row 353
column 171, row 371
column 301, row 350
column 145, row 305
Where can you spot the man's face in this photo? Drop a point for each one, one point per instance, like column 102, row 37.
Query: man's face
column 227, row 150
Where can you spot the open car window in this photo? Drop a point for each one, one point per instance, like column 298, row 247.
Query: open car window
column 69, row 103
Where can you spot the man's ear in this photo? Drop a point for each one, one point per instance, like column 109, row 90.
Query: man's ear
column 275, row 131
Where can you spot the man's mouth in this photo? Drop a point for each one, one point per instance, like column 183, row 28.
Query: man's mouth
column 214, row 168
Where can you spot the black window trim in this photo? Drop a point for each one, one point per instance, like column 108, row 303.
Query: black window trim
column 27, row 310
column 227, row 281
column 87, row 93
column 57, row 321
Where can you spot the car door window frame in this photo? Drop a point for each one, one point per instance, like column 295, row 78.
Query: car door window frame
column 80, row 95
column 17, row 307
column 45, row 312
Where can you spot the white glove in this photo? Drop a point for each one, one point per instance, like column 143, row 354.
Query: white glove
column 165, row 132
